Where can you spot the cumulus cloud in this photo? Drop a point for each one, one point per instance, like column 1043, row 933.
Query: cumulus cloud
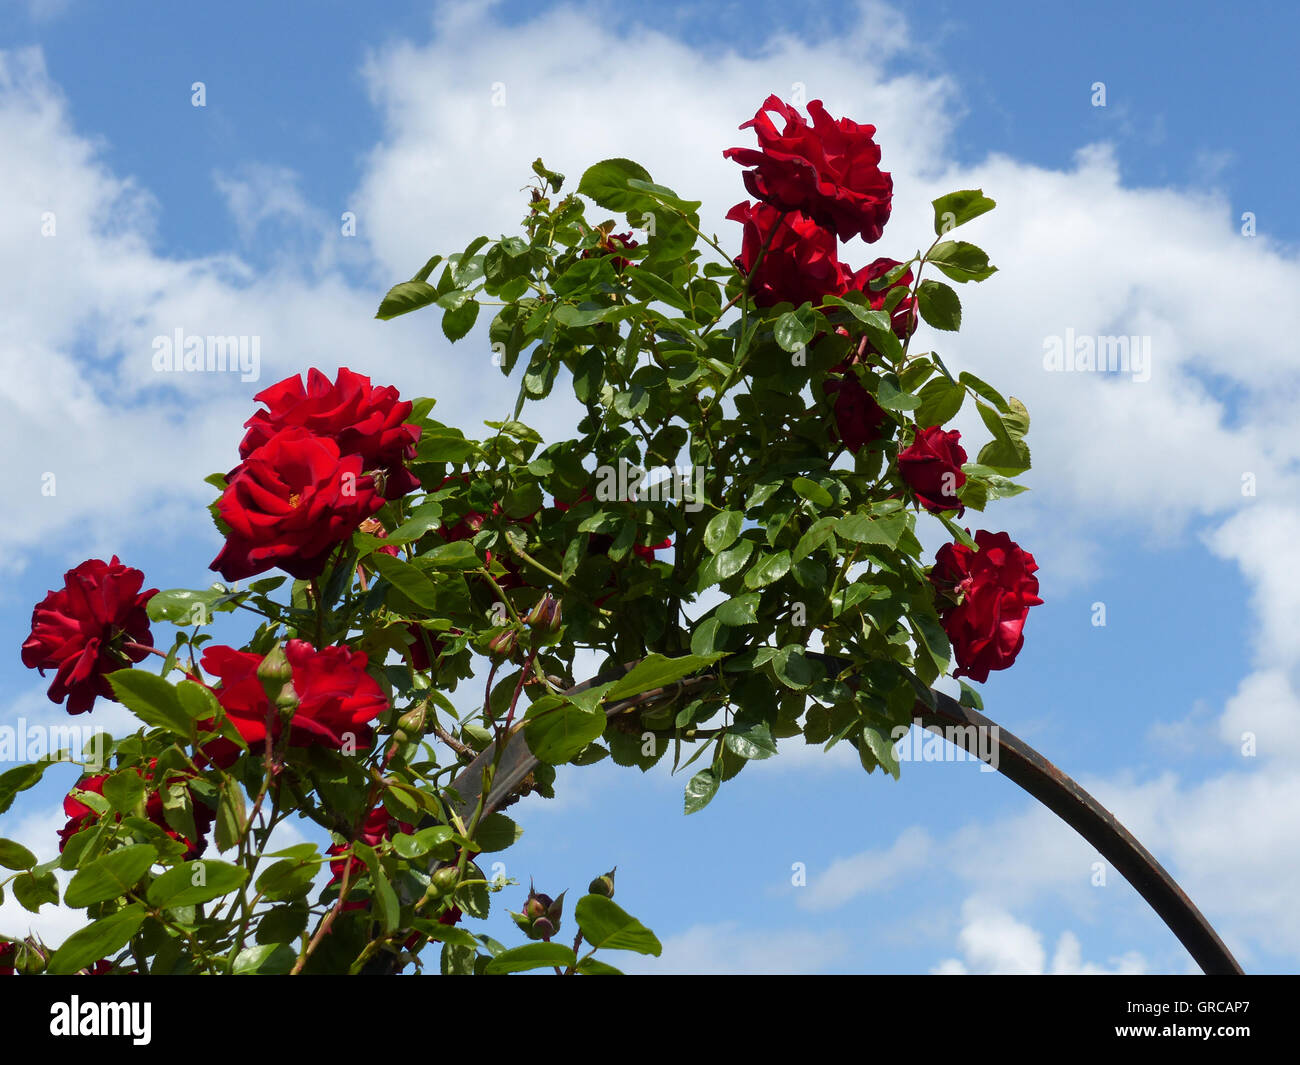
column 993, row 942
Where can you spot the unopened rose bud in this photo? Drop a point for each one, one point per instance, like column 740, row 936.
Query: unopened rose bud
column 503, row 644
column 545, row 614
column 443, row 882
column 603, row 885
column 536, row 906
column 411, row 723
column 276, row 676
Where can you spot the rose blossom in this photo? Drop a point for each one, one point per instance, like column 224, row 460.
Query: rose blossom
column 81, row 630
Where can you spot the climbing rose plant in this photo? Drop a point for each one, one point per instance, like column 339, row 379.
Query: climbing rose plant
column 772, row 588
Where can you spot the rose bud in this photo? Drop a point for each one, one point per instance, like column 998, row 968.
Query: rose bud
column 443, row 882
column 503, row 644
column 603, row 885
column 542, row 929
column 411, row 723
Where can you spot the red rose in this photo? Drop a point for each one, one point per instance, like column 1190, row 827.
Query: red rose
column 80, row 631
column 337, row 698
column 996, row 589
column 290, row 503
column 8, row 953
column 611, row 243
column 932, row 468
column 830, row 170
column 903, row 318
column 376, row 828
column 418, row 652
column 82, row 816
column 859, row 419
column 800, row 265
column 360, row 418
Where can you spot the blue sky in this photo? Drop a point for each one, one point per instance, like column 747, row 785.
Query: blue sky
column 1122, row 219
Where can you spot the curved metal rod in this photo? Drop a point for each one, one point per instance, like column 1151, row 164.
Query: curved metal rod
column 1023, row 765
column 1016, row 760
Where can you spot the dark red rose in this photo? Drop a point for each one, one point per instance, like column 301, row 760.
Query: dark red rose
column 80, row 631
column 859, row 419
column 903, row 318
column 8, row 954
column 418, row 652
column 830, row 170
column 377, row 827
column 610, row 244
column 800, row 264
column 82, row 816
column 932, row 468
column 360, row 418
column 337, row 698
column 984, row 598
column 290, row 503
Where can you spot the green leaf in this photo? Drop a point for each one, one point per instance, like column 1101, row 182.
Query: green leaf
column 863, row 530
column 110, row 876
column 891, row 397
column 742, row 610
column 456, row 323
column 984, row 389
column 406, row 296
column 607, row 184
column 722, row 530
column 152, row 700
column 34, row 889
column 767, row 569
column 590, row 966
column 751, row 741
column 406, row 579
column 958, row 208
column 124, row 789
column 191, row 883
column 792, row 668
column 811, row 491
column 20, row 778
column 656, row 671
column 941, row 399
column 531, row 956
column 607, row 926
column 939, row 305
column 795, row 329
column 102, row 939
column 556, row 732
column 387, row 908
column 496, row 832
column 881, row 745
column 183, row 606
column 962, row 261
column 268, row 959
column 15, row 855
column 700, row 790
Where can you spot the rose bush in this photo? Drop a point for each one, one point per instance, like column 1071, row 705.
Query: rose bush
column 804, row 436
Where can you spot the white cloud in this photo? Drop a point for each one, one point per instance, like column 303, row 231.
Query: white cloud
column 726, row 949
column 993, row 942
